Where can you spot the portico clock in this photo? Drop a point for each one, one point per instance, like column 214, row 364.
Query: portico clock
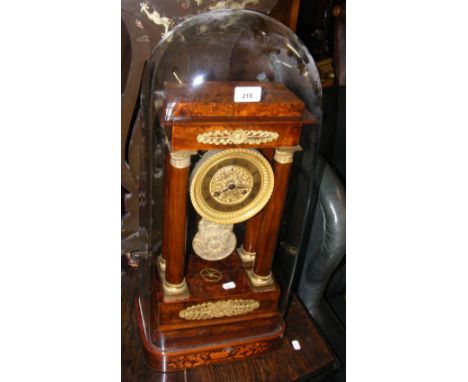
column 217, row 299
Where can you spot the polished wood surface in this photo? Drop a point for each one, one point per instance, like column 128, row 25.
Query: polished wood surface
column 232, row 270
column 167, row 211
column 186, row 336
column 211, row 107
column 285, row 364
column 273, row 213
column 252, row 232
column 184, row 137
column 176, row 200
column 169, row 338
column 180, row 355
column 216, row 99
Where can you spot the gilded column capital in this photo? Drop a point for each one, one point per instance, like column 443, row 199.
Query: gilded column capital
column 285, row 155
column 181, row 159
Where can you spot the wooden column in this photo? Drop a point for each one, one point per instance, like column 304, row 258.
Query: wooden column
column 167, row 211
column 260, row 275
column 175, row 234
column 248, row 249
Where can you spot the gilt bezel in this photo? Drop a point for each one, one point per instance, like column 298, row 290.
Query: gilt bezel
column 212, row 158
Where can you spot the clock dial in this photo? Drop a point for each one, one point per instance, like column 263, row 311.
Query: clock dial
column 230, row 186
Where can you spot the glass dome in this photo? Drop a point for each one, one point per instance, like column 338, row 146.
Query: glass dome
column 234, row 45
column 219, row 47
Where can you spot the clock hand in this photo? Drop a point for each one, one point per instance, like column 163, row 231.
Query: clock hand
column 233, row 188
column 230, row 188
column 217, row 193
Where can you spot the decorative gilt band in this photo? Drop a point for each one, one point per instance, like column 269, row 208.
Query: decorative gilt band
column 285, row 155
column 218, row 309
column 181, row 159
column 237, row 137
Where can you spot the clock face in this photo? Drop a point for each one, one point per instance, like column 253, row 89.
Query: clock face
column 230, row 186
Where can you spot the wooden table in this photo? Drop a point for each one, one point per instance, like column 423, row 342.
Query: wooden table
column 314, row 361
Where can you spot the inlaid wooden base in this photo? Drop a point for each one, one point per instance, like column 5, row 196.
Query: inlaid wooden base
column 230, row 324
column 178, row 355
column 314, row 359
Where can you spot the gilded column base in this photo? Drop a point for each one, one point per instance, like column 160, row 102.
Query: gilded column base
column 247, row 257
column 260, row 283
column 161, row 265
column 175, row 291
